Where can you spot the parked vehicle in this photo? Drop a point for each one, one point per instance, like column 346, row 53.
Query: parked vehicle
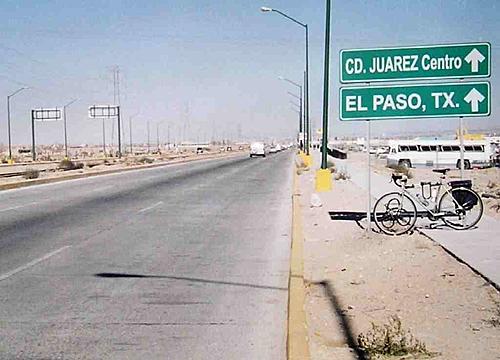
column 436, row 153
column 257, row 149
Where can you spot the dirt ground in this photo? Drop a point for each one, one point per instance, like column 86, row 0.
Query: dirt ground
column 51, row 170
column 485, row 181
column 354, row 280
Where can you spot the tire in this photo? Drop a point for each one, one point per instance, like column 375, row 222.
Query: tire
column 466, row 164
column 406, row 163
column 460, row 217
column 395, row 213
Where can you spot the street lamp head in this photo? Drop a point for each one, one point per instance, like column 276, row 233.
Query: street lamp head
column 265, row 9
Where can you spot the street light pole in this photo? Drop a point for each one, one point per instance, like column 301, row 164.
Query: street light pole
column 301, row 107
column 324, row 175
column 65, row 127
column 300, row 114
column 324, row 142
column 306, row 77
column 8, row 119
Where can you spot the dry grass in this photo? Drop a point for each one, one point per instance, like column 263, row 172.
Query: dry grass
column 31, row 173
column 391, row 339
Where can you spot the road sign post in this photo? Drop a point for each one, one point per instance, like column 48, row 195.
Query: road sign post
column 41, row 115
column 415, row 101
column 416, row 62
column 106, row 112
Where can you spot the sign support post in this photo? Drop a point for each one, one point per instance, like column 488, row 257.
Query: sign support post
column 106, row 112
column 41, row 115
column 369, row 203
column 33, row 154
column 461, row 138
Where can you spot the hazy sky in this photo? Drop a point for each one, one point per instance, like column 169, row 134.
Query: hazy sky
column 213, row 64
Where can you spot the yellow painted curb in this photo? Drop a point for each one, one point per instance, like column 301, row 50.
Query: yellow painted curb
column 323, row 180
column 10, row 161
column 297, row 341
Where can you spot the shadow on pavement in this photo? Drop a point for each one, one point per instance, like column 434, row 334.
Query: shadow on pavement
column 342, row 318
column 207, row 281
column 356, row 216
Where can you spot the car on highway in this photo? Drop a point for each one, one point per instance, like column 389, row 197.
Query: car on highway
column 257, row 149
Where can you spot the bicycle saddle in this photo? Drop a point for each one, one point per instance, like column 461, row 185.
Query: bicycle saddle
column 441, row 171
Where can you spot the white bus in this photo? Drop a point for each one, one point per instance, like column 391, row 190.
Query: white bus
column 439, row 153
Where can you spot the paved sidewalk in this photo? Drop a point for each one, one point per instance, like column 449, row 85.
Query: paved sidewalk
column 479, row 247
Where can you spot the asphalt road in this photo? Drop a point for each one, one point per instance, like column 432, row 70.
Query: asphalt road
column 186, row 261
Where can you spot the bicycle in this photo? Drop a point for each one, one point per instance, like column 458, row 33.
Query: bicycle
column 459, row 207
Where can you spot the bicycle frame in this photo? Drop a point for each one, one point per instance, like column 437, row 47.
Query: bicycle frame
column 431, row 211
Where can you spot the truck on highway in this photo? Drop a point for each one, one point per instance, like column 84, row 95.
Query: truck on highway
column 257, row 149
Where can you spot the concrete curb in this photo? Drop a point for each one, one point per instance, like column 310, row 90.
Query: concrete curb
column 297, row 341
column 107, row 172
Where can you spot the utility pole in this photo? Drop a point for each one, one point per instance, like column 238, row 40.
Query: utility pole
column 148, row 136
column 168, row 136
column 158, row 137
column 65, row 127
column 130, row 134
column 8, row 119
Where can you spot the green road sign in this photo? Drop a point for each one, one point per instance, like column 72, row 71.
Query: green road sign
column 416, row 62
column 415, row 101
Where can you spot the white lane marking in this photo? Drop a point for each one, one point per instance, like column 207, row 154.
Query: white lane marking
column 32, row 263
column 102, row 188
column 18, row 207
column 150, row 207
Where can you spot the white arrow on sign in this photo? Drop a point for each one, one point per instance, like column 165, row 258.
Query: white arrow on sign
column 474, row 97
column 474, row 58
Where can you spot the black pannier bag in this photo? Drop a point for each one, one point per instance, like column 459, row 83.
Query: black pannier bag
column 464, row 198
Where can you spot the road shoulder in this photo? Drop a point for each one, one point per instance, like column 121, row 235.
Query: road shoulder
column 354, row 281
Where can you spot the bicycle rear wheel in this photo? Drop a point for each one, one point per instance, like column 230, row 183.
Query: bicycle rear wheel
column 395, row 213
column 462, row 208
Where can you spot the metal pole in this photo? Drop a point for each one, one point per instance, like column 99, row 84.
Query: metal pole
column 158, row 137
column 369, row 203
column 65, row 133
column 307, row 88
column 148, row 136
column 130, row 134
column 33, row 135
column 8, row 127
column 119, row 133
column 304, row 117
column 326, row 80
column 168, row 136
column 104, row 137
column 300, row 115
column 461, row 138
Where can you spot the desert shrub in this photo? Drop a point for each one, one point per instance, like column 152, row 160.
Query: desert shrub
column 67, row 164
column 331, row 165
column 342, row 175
column 391, row 339
column 31, row 173
column 145, row 160
column 402, row 170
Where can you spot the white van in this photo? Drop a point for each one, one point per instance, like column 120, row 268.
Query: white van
column 439, row 153
column 257, row 149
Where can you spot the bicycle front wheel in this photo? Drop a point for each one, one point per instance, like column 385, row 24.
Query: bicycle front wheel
column 461, row 208
column 395, row 213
